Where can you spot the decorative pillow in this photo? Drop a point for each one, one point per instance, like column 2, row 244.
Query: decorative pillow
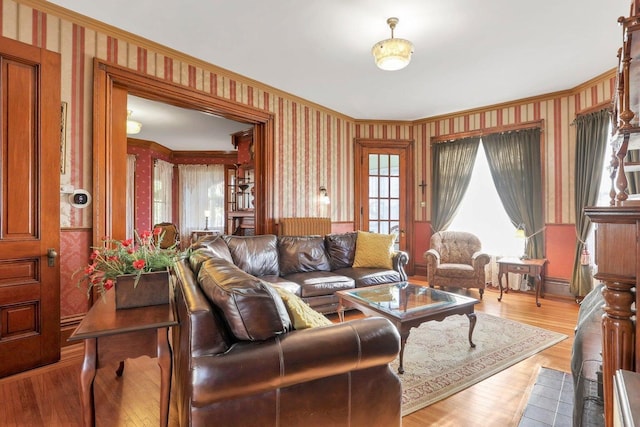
column 252, row 309
column 374, row 250
column 301, row 314
column 302, row 254
column 341, row 249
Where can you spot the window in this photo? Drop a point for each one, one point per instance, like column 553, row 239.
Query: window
column 482, row 214
column 162, row 192
column 201, row 189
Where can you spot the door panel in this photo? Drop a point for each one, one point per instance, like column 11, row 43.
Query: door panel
column 30, row 207
column 383, row 190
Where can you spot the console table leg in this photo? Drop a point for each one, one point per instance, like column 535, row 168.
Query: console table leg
column 472, row 324
column 165, row 363
column 500, row 284
column 538, row 286
column 87, row 375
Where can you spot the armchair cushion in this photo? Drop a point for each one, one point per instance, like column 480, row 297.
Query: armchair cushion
column 374, row 250
column 252, row 308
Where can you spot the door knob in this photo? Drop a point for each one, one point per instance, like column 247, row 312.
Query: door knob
column 51, row 255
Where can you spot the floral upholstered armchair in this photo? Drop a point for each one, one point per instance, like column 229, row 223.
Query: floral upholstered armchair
column 456, row 260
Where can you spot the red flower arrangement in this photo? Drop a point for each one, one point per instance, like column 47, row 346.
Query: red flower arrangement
column 131, row 256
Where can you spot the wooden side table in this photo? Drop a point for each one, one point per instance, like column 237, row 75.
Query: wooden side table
column 112, row 335
column 531, row 267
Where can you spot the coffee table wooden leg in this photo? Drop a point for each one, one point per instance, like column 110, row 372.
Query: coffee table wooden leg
column 472, row 325
column 403, row 341
column 166, row 365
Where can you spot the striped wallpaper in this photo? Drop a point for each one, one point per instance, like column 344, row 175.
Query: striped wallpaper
column 319, row 141
column 313, row 145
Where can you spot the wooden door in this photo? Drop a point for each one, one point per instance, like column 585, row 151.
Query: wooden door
column 383, row 190
column 29, row 207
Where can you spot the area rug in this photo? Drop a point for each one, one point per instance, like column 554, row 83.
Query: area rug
column 438, row 360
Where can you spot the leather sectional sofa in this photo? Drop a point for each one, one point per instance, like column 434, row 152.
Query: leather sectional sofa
column 238, row 361
column 312, row 267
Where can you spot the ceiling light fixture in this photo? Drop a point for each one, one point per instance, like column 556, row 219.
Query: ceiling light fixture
column 133, row 127
column 392, row 54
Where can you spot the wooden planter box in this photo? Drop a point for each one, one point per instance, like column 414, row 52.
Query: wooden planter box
column 152, row 289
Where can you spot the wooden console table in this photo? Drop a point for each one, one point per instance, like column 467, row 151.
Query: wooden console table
column 112, row 335
column 531, row 267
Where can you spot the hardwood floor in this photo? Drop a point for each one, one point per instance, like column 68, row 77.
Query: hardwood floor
column 50, row 396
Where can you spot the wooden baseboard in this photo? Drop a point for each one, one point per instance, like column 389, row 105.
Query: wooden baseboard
column 68, row 324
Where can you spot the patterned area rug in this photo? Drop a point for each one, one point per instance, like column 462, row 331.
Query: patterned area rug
column 439, row 362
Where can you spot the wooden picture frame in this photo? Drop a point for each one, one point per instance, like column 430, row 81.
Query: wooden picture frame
column 63, row 138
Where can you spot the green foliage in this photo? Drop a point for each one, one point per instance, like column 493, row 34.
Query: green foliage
column 114, row 258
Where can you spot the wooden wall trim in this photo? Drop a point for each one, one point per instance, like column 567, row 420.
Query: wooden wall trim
column 488, row 131
column 111, row 80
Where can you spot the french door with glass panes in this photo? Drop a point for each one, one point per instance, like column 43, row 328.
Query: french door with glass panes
column 383, row 196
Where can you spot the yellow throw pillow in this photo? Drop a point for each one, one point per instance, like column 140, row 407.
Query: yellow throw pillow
column 300, row 313
column 374, row 250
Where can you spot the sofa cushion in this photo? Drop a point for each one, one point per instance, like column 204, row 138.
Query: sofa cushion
column 370, row 276
column 256, row 255
column 374, row 250
column 208, row 247
column 301, row 314
column 251, row 307
column 302, row 254
column 341, row 249
column 320, row 283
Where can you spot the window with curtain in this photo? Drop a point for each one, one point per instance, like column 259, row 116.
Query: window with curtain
column 131, row 194
column 162, row 192
column 481, row 213
column 201, row 189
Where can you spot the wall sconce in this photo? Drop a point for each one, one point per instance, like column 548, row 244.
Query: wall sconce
column 324, row 196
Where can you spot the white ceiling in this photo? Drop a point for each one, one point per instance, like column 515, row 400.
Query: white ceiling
column 468, row 53
column 182, row 129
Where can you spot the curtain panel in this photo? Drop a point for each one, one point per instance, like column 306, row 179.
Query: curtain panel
column 516, row 168
column 162, row 192
column 131, row 194
column 201, row 189
column 451, row 172
column 591, row 143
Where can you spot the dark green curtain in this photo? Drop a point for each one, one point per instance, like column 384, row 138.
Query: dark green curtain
column 452, row 166
column 591, row 143
column 515, row 165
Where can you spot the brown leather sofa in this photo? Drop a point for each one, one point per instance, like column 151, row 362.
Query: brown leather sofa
column 312, row 267
column 239, row 362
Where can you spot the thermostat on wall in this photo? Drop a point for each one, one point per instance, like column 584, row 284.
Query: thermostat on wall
column 80, row 198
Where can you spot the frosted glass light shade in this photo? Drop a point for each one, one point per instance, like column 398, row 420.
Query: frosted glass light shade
column 133, row 127
column 392, row 54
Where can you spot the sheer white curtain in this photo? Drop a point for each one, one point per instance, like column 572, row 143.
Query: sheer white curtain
column 201, row 189
column 162, row 191
column 131, row 194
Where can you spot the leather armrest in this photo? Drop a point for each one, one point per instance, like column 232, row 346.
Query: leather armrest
column 400, row 259
column 299, row 356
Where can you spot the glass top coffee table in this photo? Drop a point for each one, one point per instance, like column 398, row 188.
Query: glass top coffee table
column 407, row 306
